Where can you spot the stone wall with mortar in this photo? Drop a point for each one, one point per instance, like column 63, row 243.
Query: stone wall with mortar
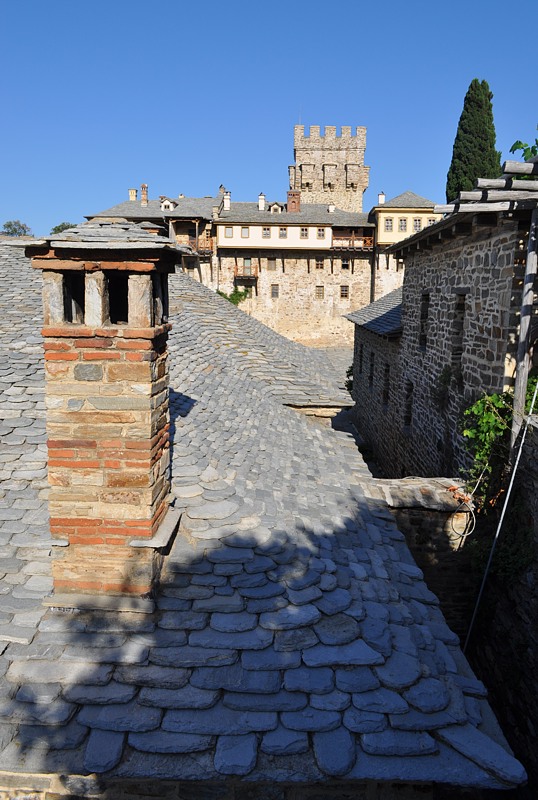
column 330, row 168
column 298, row 312
column 447, row 356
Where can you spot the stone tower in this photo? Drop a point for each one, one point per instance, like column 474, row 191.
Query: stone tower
column 330, row 168
column 105, row 299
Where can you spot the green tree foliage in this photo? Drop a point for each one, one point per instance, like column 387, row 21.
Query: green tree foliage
column 528, row 151
column 14, row 227
column 61, row 227
column 474, row 154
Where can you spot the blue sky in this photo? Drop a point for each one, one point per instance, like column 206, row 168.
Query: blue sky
column 98, row 97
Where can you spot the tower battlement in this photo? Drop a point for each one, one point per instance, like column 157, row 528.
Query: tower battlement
column 330, row 135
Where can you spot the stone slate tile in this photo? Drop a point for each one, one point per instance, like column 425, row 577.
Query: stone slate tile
column 280, row 701
column 218, row 720
column 483, row 751
column 332, row 701
column 236, row 755
column 399, row 671
column 381, row 701
column 282, row 741
column 103, row 751
column 398, row 743
column 290, row 617
column 337, row 629
column 257, row 639
column 364, row 721
column 335, row 751
column 235, row 678
column 241, row 621
column 38, row 693
column 270, row 659
column 64, row 737
column 310, row 719
column 166, row 742
column 57, row 712
column 314, row 680
column 354, row 653
column 188, row 656
column 152, row 675
column 120, row 717
column 428, row 695
column 186, row 697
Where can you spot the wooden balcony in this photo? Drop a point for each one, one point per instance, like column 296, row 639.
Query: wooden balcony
column 203, row 245
column 353, row 242
column 246, row 274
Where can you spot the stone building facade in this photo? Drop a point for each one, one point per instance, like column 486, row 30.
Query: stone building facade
column 459, row 307
column 306, row 263
column 330, row 167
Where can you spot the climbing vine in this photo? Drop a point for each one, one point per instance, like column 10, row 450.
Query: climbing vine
column 236, row 296
column 487, row 427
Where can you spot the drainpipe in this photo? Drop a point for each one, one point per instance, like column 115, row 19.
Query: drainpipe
column 523, row 356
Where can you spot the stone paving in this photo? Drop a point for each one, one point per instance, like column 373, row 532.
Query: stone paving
column 294, row 638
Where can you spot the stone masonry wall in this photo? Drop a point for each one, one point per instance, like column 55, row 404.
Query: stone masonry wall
column 377, row 412
column 330, row 168
column 299, row 312
column 460, row 305
column 107, row 423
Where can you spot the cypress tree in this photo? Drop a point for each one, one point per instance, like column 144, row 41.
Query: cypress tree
column 474, row 154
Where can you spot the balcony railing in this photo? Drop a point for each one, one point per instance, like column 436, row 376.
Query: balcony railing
column 246, row 273
column 203, row 245
column 353, row 242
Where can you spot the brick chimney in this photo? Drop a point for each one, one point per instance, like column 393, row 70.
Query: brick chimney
column 105, row 298
column 294, row 201
column 144, row 194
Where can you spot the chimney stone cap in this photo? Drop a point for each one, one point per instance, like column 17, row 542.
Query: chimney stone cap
column 100, row 235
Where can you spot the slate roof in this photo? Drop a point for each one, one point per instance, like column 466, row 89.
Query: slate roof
column 408, row 199
column 310, row 213
column 384, row 316
column 187, row 207
column 294, row 638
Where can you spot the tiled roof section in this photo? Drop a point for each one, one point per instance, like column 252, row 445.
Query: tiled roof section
column 103, row 234
column 187, row 207
column 408, row 200
column 310, row 213
column 297, row 375
column 383, row 317
column 294, row 639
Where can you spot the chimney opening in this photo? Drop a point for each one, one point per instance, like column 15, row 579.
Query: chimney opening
column 118, row 292
column 74, row 293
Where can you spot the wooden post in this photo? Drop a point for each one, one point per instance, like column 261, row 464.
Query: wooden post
column 523, row 356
